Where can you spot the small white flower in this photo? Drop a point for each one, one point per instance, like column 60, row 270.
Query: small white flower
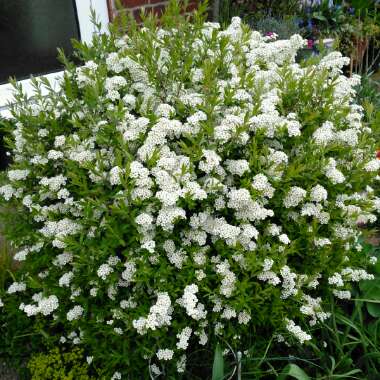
column 164, row 354
column 294, row 197
column 115, row 175
column 244, row 318
column 104, row 271
column 297, row 332
column 66, row 279
column 18, row 175
column 16, row 287
column 59, row 141
column 75, row 313
column 116, row 376
column 373, row 165
column 284, row 239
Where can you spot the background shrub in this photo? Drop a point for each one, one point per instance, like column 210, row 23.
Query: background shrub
column 284, row 27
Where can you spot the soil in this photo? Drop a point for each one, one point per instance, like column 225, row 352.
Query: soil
column 7, row 373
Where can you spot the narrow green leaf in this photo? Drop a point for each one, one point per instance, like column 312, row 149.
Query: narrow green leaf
column 293, row 370
column 218, row 366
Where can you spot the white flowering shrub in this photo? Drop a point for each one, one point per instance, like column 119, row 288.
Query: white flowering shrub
column 188, row 184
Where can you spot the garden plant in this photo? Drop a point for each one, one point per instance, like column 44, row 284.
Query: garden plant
column 188, row 187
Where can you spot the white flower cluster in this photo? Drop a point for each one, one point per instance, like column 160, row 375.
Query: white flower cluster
column 165, row 354
column 159, row 315
column 17, row 175
column 297, row 332
column 189, row 301
column 312, row 308
column 334, row 174
column 45, row 305
column 294, row 197
column 183, row 338
column 16, row 287
column 75, row 313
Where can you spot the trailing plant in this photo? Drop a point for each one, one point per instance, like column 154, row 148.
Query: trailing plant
column 187, row 185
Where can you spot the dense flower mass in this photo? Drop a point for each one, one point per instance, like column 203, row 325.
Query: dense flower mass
column 189, row 183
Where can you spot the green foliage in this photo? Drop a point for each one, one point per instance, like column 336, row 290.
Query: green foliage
column 284, row 27
column 368, row 95
column 348, row 345
column 93, row 226
column 293, row 371
column 326, row 20
column 370, row 293
column 218, row 365
column 7, row 265
column 19, row 337
column 248, row 9
column 56, row 365
column 368, row 92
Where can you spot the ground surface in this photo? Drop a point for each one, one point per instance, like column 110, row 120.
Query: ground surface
column 6, row 373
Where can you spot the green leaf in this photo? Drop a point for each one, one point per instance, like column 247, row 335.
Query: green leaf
column 218, row 365
column 33, row 283
column 371, row 296
column 293, row 370
column 373, row 309
column 45, row 334
column 319, row 17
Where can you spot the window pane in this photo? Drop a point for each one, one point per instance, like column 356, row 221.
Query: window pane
column 30, row 32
